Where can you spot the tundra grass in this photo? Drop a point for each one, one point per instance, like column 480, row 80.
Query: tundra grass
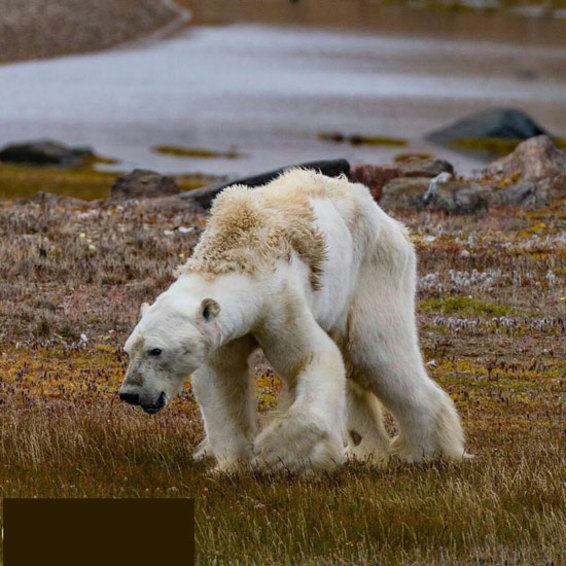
column 494, row 146
column 196, row 152
column 492, row 334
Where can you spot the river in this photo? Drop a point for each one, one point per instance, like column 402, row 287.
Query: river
column 268, row 90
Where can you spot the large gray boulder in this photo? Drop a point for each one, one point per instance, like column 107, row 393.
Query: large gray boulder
column 534, row 159
column 505, row 123
column 404, row 193
column 375, row 177
column 452, row 197
column 142, row 183
column 45, row 152
column 538, row 169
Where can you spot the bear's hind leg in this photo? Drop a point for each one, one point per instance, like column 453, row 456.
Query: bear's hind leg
column 427, row 419
column 382, row 341
column 368, row 440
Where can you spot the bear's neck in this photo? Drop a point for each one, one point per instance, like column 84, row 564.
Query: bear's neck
column 240, row 298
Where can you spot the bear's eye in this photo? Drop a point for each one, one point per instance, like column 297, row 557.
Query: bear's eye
column 155, row 352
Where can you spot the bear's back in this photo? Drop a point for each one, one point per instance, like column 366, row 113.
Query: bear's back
column 250, row 227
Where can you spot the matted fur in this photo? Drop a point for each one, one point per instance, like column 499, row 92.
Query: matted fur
column 267, row 224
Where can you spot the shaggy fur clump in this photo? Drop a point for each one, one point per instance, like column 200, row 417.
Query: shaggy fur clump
column 268, row 224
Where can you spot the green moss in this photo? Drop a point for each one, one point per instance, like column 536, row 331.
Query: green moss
column 84, row 183
column 378, row 140
column 194, row 180
column 357, row 139
column 465, row 306
column 495, row 146
column 91, row 160
column 196, row 153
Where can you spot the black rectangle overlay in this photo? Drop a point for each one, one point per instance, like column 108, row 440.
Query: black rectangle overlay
column 100, row 532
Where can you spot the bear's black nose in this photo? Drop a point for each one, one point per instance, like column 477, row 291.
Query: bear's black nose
column 131, row 398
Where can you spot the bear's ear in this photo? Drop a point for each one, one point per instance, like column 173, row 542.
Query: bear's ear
column 144, row 308
column 209, row 309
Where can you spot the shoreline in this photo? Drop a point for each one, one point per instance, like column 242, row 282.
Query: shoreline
column 92, row 27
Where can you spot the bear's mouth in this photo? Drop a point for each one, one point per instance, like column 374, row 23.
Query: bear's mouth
column 152, row 409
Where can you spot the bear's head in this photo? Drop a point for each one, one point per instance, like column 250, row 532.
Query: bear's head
column 173, row 338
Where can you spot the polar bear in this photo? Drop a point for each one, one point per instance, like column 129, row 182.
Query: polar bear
column 311, row 270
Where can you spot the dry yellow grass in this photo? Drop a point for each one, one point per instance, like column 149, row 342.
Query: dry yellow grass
column 500, row 354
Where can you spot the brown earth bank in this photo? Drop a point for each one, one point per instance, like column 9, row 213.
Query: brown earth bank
column 36, row 29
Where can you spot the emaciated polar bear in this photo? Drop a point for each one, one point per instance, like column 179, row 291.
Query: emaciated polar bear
column 310, row 269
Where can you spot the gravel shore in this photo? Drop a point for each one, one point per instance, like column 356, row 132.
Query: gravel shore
column 35, row 29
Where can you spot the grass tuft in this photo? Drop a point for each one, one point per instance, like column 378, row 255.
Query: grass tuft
column 465, row 306
column 199, row 153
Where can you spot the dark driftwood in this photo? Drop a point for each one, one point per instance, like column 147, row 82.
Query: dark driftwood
column 205, row 195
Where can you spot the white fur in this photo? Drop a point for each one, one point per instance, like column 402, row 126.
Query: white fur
column 356, row 327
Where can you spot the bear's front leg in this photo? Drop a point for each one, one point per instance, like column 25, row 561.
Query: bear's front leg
column 309, row 436
column 224, row 391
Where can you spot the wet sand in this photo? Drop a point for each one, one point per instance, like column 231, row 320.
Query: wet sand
column 270, row 90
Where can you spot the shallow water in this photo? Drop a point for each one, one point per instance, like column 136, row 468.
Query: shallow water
column 269, row 90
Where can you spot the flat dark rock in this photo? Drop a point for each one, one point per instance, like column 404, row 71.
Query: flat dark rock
column 205, row 195
column 507, row 123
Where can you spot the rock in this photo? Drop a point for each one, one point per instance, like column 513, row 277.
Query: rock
column 460, row 198
column 558, row 186
column 141, row 183
column 528, row 194
column 507, row 123
column 521, row 194
column 424, row 167
column 204, row 196
column 404, row 193
column 45, row 152
column 452, row 197
column 375, row 177
column 434, row 185
column 534, row 159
